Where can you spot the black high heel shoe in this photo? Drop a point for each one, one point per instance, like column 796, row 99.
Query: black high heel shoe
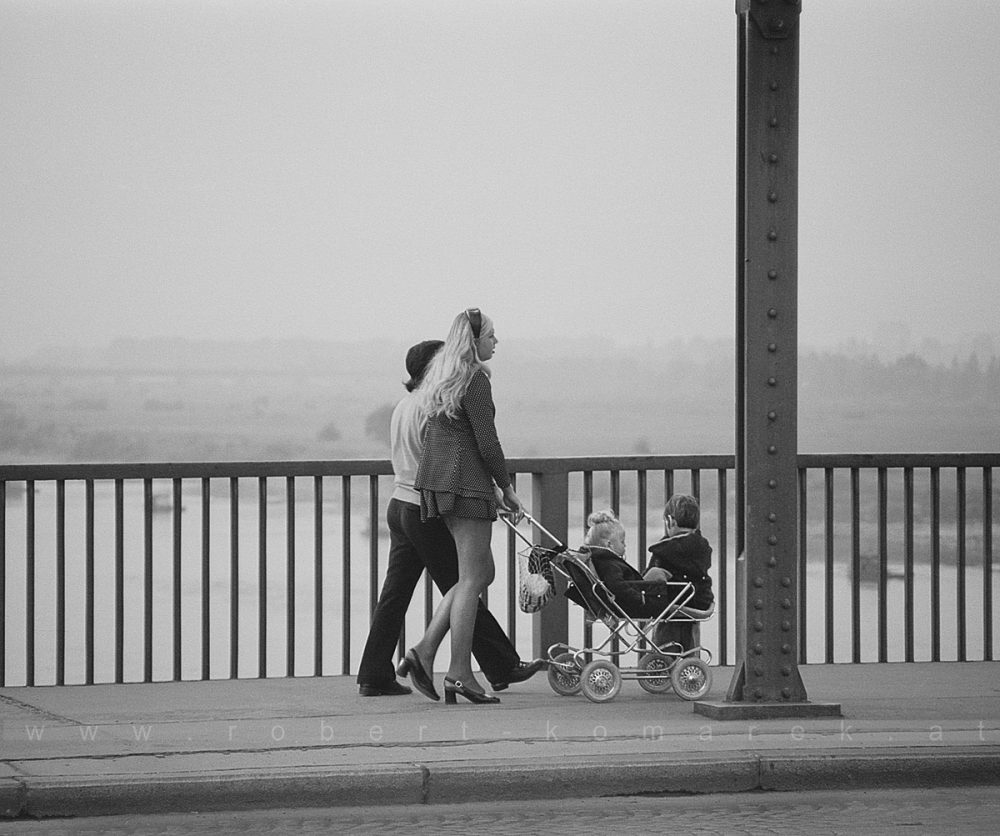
column 410, row 664
column 453, row 687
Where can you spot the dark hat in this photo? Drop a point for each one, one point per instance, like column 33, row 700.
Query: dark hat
column 417, row 359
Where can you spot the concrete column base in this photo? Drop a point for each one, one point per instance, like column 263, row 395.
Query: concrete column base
column 724, row 710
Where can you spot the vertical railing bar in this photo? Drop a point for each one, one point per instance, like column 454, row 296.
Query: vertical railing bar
column 147, row 523
column 668, row 484
column 60, row 582
column 318, row 574
column 616, row 501
column 640, row 500
column 588, row 508
column 428, row 597
column 291, row 576
column 29, row 581
column 373, row 522
column 828, row 568
column 883, row 565
column 262, row 577
column 345, row 600
column 696, row 484
column 119, row 581
column 855, row 566
column 428, row 607
column 803, row 562
column 90, row 586
column 206, row 579
column 640, row 489
column 960, row 488
column 722, row 563
column 428, row 610
column 588, row 496
column 512, row 578
column 178, row 582
column 988, row 564
column 3, row 583
column 908, row 579
column 234, row 577
column 935, row 564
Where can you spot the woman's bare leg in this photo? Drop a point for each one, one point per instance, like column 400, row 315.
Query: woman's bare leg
column 426, row 649
column 475, row 573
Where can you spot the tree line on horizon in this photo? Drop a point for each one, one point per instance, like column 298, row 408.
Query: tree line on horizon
column 57, row 419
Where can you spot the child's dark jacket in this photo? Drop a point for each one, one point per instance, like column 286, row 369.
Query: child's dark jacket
column 687, row 557
column 637, row 597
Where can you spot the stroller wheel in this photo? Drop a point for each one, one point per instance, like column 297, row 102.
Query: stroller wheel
column 691, row 678
column 654, row 673
column 564, row 675
column 601, row 680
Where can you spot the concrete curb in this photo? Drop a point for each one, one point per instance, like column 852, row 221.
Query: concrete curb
column 13, row 800
column 214, row 791
column 884, row 768
column 574, row 778
column 459, row 781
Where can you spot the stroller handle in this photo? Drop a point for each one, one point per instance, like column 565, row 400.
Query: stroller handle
column 560, row 547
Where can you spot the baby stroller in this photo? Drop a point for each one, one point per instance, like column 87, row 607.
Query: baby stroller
column 661, row 667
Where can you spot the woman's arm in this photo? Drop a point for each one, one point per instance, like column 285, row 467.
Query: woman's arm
column 481, row 412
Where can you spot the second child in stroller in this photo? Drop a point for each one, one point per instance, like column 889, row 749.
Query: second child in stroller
column 683, row 555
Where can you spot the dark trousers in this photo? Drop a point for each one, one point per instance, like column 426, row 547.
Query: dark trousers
column 413, row 547
column 685, row 633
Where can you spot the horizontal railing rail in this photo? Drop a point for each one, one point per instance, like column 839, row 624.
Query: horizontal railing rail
column 188, row 570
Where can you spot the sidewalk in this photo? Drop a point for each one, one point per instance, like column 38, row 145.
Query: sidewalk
column 104, row 749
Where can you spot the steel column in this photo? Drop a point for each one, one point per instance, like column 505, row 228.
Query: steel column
column 766, row 680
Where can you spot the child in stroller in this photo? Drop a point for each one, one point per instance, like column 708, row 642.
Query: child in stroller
column 683, row 555
column 604, row 547
column 633, row 608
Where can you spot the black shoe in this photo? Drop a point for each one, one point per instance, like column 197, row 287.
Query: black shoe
column 387, row 689
column 452, row 687
column 418, row 676
column 519, row 673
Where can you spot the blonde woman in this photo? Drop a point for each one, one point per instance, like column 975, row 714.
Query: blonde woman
column 463, row 479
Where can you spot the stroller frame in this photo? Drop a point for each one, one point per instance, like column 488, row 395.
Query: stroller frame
column 597, row 671
column 661, row 667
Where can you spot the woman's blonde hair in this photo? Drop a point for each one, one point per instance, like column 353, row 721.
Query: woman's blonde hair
column 449, row 373
column 601, row 527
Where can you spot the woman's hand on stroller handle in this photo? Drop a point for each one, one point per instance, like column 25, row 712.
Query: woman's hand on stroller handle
column 510, row 504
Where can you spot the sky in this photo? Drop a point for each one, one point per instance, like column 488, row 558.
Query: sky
column 256, row 169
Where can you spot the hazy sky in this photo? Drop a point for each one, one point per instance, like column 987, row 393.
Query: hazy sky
column 256, row 168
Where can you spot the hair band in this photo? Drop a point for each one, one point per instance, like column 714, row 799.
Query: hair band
column 475, row 317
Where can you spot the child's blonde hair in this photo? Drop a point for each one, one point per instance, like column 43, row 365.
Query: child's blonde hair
column 601, row 528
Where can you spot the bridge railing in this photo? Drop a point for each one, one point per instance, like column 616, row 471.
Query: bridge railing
column 150, row 572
